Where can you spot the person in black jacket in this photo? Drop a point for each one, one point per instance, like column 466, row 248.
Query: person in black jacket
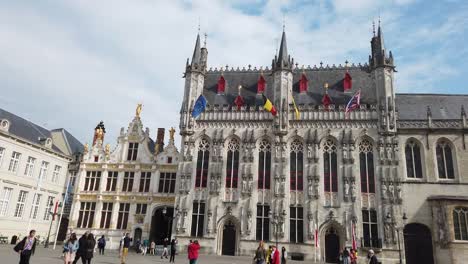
column 372, row 257
column 26, row 247
column 102, row 244
column 89, row 244
column 173, row 250
column 81, row 248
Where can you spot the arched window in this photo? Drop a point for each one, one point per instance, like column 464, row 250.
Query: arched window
column 413, row 160
column 460, row 223
column 445, row 160
column 264, row 165
column 232, row 168
column 296, row 166
column 366, row 165
column 203, row 158
column 330, row 167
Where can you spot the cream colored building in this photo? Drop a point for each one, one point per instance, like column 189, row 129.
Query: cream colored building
column 128, row 187
column 34, row 168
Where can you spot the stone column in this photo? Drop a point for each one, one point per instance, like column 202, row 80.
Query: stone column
column 103, row 183
column 115, row 214
column 136, row 181
column 97, row 214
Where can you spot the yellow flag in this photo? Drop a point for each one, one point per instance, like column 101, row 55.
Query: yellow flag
column 298, row 116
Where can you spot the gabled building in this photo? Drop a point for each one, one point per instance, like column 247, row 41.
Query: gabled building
column 384, row 166
column 128, row 187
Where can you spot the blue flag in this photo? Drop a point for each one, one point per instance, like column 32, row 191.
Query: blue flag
column 199, row 106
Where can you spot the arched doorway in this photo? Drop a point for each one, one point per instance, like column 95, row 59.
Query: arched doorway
column 418, row 244
column 161, row 224
column 137, row 234
column 332, row 245
column 229, row 239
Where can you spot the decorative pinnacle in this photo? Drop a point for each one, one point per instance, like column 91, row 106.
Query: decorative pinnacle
column 204, row 42
column 373, row 27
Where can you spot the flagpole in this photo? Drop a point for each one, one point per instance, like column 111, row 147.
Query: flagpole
column 61, row 212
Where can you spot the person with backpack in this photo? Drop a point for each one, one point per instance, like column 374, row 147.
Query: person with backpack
column 101, row 245
column 26, row 247
column 125, row 246
column 70, row 248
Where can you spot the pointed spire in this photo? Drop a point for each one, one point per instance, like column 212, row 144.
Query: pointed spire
column 283, row 50
column 196, row 52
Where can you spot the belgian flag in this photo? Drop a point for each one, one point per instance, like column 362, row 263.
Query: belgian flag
column 268, row 105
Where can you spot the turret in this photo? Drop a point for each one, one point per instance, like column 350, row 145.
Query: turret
column 283, row 60
column 378, row 56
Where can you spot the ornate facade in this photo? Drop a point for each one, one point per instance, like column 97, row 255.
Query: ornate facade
column 127, row 188
column 247, row 175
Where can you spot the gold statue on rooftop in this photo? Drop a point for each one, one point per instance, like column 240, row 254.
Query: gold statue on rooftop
column 138, row 110
column 171, row 134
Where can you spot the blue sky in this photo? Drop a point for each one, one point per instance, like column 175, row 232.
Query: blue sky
column 73, row 63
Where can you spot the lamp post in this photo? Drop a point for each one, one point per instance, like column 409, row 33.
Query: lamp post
column 53, row 214
column 276, row 220
column 404, row 218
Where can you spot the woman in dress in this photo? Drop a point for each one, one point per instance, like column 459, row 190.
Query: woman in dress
column 70, row 248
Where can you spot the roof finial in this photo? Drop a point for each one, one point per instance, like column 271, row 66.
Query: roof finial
column 198, row 25
column 204, row 42
column 373, row 27
column 284, row 22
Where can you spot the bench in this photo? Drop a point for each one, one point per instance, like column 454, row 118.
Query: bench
column 297, row 256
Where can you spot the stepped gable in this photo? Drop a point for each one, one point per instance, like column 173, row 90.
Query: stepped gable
column 317, row 76
column 443, row 106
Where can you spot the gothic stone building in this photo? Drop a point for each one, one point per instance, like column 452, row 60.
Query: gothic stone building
column 394, row 168
column 127, row 189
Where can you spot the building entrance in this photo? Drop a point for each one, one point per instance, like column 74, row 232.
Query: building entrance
column 418, row 244
column 229, row 239
column 332, row 246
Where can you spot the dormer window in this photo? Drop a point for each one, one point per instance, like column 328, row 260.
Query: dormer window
column 4, row 125
column 132, row 151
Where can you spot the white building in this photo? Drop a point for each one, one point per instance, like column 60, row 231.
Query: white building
column 126, row 188
column 34, row 165
column 394, row 167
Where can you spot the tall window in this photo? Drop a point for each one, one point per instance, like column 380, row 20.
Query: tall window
column 56, row 173
column 141, row 209
column 330, row 166
column 413, row 160
column 203, row 158
column 72, row 178
column 15, row 157
column 20, row 204
column 296, row 231
column 264, row 165
column 35, row 206
column 296, row 164
column 49, row 204
column 366, row 165
column 43, row 171
column 132, row 151
column 29, row 170
column 145, row 180
column 92, row 181
column 232, row 168
column 460, row 223
column 2, row 153
column 111, row 181
column 122, row 219
column 369, row 226
column 198, row 218
column 86, row 214
column 5, row 200
column 128, row 181
column 106, row 215
column 167, row 182
column 444, row 160
column 263, row 223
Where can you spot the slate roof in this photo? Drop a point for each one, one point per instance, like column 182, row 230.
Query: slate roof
column 73, row 143
column 443, row 106
column 28, row 131
column 317, row 77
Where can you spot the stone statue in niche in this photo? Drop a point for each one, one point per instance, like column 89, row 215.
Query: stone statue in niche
column 309, row 151
column 184, row 220
column 182, row 183
column 250, row 187
column 389, row 152
column 310, row 188
column 249, row 222
column 282, row 186
column 283, row 151
column 398, row 192
column 441, row 224
column 209, row 222
column 346, row 188
column 316, row 189
column 218, row 183
column 353, row 190
column 244, row 185
column 277, row 186
column 384, row 191
column 212, row 182
column 387, row 232
column 311, row 225
column 391, row 190
column 277, row 152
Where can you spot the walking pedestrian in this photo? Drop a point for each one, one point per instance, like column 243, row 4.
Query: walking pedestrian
column 145, row 247
column 101, row 245
column 268, row 255
column 173, row 250
column 260, row 254
column 125, row 246
column 89, row 244
column 275, row 255
column 70, row 248
column 284, row 255
column 193, row 249
column 81, row 247
column 372, row 257
column 353, row 256
column 165, row 253
column 152, row 247
column 26, row 247
column 345, row 256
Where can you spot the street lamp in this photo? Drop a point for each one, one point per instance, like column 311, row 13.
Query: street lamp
column 404, row 218
column 53, row 214
column 276, row 220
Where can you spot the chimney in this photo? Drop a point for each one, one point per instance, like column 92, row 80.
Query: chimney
column 160, row 140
